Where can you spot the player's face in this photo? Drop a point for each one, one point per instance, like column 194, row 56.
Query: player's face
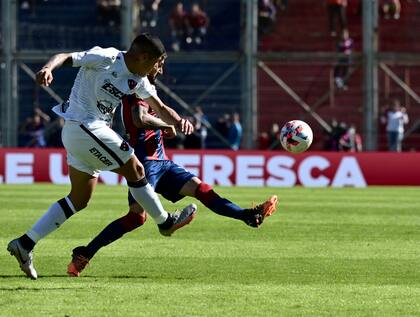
column 144, row 64
column 157, row 68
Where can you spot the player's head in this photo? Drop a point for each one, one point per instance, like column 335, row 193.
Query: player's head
column 144, row 52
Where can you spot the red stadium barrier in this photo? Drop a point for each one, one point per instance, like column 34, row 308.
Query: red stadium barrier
column 242, row 168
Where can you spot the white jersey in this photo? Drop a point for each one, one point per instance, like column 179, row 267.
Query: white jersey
column 103, row 79
column 396, row 121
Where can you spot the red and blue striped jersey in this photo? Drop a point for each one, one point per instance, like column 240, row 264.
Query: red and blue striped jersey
column 147, row 143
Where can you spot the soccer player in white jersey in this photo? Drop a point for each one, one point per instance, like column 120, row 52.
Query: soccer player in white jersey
column 104, row 77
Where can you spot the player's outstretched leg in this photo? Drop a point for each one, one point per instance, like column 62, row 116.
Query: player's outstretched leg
column 255, row 216
column 23, row 257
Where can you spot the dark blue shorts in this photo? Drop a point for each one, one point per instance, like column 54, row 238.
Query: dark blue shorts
column 166, row 178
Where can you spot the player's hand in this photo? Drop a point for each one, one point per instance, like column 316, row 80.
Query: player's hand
column 169, row 133
column 185, row 126
column 44, row 77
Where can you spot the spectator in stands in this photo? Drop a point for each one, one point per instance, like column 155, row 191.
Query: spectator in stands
column 341, row 70
column 235, row 132
column 177, row 22
column 266, row 16
column 108, row 12
column 197, row 25
column 263, row 141
column 274, row 135
column 332, row 140
column 395, row 118
column 223, row 124
column 52, row 133
column 149, row 13
column 391, row 9
column 337, row 11
column 28, row 6
column 281, row 4
column 270, row 140
column 31, row 132
column 200, row 125
column 350, row 141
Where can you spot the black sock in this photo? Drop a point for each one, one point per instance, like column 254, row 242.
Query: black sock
column 27, row 242
column 112, row 232
column 169, row 222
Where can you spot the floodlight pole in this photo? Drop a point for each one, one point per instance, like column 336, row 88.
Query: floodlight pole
column 250, row 46
column 127, row 32
column 370, row 73
column 8, row 75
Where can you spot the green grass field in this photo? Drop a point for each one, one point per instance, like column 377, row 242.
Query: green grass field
column 326, row 252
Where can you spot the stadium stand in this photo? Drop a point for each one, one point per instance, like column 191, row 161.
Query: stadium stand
column 308, row 19
column 63, row 25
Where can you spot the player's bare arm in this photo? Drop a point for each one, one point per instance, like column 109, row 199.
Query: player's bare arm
column 142, row 119
column 44, row 77
column 169, row 115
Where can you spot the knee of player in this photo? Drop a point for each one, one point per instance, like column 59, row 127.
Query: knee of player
column 79, row 206
column 140, row 170
column 133, row 220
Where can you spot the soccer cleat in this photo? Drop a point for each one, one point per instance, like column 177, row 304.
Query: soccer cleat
column 23, row 257
column 78, row 262
column 180, row 219
column 255, row 216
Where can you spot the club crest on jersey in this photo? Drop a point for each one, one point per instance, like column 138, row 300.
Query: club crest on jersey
column 124, row 146
column 132, row 84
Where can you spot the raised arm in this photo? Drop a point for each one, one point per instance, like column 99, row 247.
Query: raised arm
column 169, row 115
column 44, row 76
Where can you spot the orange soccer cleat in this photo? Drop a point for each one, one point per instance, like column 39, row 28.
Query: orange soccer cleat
column 255, row 216
column 78, row 262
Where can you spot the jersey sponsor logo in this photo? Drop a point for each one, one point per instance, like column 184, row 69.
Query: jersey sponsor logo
column 132, row 84
column 100, row 156
column 104, row 106
column 112, row 90
column 124, row 146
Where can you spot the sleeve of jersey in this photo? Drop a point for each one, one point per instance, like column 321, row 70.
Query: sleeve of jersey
column 91, row 58
column 145, row 89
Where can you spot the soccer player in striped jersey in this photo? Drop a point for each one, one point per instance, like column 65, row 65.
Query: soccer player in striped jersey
column 146, row 133
column 105, row 76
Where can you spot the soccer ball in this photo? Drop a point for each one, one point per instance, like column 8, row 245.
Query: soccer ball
column 296, row 136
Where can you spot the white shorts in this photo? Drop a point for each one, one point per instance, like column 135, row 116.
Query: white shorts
column 95, row 149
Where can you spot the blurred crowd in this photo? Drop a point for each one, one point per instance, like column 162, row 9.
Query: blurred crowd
column 188, row 26
column 39, row 130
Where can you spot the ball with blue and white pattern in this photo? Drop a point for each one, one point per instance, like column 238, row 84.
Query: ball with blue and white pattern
column 296, row 136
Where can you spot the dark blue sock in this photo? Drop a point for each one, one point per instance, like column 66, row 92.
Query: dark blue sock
column 114, row 231
column 219, row 205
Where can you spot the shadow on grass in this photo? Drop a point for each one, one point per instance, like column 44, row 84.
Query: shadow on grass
column 34, row 289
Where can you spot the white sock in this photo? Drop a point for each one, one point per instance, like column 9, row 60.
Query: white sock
column 149, row 200
column 56, row 215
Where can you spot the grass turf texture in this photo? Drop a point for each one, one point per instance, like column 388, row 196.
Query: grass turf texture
column 326, row 252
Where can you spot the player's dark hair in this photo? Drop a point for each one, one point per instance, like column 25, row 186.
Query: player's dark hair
column 149, row 44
